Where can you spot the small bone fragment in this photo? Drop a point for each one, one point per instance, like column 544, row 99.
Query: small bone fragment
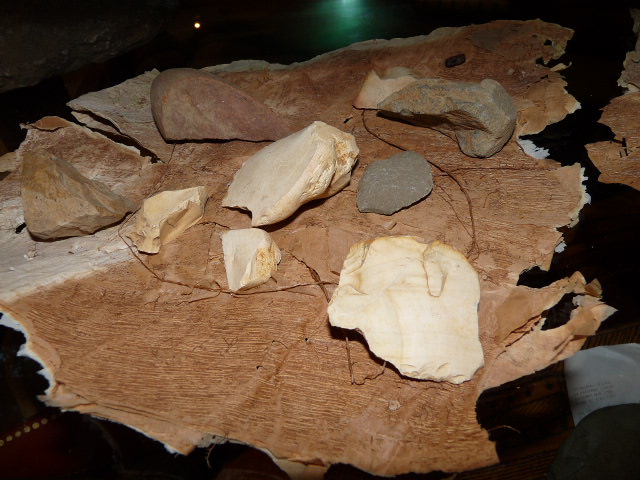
column 394, row 183
column 312, row 163
column 58, row 201
column 189, row 104
column 166, row 215
column 250, row 257
column 415, row 303
column 376, row 88
column 481, row 115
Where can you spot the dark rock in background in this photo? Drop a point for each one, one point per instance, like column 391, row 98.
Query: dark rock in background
column 605, row 444
column 40, row 39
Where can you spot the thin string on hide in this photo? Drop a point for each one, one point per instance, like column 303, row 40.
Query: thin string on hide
column 217, row 290
column 474, row 244
column 314, row 274
column 316, row 277
column 383, row 369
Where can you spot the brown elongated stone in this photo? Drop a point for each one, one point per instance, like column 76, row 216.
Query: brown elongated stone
column 189, row 104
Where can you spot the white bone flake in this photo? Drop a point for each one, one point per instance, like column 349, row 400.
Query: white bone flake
column 250, row 257
column 312, row 163
column 415, row 303
column 164, row 216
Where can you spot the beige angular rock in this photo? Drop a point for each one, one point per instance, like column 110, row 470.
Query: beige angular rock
column 481, row 116
column 190, row 104
column 312, row 163
column 166, row 215
column 58, row 201
column 250, row 257
column 415, row 303
column 376, row 88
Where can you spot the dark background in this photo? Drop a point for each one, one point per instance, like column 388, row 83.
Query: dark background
column 50, row 48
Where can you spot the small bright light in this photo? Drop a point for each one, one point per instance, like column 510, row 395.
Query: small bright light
column 196, row 25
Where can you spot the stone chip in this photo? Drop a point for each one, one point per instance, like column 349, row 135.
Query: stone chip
column 378, row 87
column 166, row 215
column 250, row 257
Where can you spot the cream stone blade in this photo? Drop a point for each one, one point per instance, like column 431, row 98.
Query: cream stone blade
column 415, row 303
column 312, row 163
column 166, row 215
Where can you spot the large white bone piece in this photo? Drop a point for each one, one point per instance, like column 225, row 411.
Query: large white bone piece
column 166, row 215
column 415, row 303
column 312, row 163
column 250, row 257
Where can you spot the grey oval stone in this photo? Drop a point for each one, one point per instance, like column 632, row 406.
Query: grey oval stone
column 394, row 183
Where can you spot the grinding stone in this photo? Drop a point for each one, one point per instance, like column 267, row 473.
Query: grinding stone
column 189, row 104
column 394, row 183
column 482, row 115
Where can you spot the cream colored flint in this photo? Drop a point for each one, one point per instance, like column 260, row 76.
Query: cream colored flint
column 250, row 257
column 166, row 215
column 312, row 163
column 416, row 305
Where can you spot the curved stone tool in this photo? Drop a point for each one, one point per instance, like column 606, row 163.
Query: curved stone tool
column 482, row 115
